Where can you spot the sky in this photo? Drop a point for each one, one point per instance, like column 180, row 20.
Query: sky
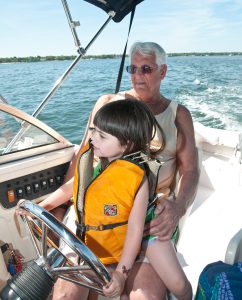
column 31, row 28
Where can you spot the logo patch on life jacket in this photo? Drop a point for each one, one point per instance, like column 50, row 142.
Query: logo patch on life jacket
column 110, row 210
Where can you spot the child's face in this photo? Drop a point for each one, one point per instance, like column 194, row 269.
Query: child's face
column 106, row 145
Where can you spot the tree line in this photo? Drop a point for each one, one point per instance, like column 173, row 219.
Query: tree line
column 52, row 57
column 103, row 56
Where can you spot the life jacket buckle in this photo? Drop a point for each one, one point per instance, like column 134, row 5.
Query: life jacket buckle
column 100, row 227
column 86, row 227
column 97, row 228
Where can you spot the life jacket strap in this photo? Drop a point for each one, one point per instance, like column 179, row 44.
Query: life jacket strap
column 101, row 227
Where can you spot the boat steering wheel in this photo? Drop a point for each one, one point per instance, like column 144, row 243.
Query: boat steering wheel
column 87, row 271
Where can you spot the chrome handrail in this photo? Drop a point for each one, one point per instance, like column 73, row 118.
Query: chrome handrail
column 82, row 52
column 72, row 24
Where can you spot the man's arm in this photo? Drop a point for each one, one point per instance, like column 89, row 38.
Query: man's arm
column 187, row 161
column 170, row 212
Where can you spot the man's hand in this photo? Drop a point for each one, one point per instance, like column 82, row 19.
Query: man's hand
column 165, row 222
column 116, row 285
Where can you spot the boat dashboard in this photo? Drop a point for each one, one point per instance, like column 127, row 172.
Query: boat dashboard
column 34, row 159
column 32, row 186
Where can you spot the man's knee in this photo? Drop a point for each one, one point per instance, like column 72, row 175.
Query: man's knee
column 143, row 283
column 65, row 290
column 59, row 212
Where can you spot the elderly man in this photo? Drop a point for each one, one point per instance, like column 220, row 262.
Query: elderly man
column 147, row 69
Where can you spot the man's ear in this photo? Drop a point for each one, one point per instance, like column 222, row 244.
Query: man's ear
column 163, row 71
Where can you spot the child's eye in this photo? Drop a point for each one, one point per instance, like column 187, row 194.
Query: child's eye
column 91, row 128
column 102, row 136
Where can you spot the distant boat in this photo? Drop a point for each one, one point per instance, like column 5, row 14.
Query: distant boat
column 197, row 81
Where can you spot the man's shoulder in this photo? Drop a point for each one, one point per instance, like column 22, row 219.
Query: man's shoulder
column 101, row 101
column 183, row 112
column 183, row 119
column 104, row 99
column 114, row 97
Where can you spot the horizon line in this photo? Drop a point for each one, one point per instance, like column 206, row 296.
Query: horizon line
column 116, row 55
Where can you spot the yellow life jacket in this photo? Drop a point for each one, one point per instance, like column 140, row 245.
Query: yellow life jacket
column 107, row 202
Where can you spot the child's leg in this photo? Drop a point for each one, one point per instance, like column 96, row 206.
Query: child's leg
column 163, row 259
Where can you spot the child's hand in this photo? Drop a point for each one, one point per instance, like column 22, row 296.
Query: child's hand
column 19, row 211
column 116, row 285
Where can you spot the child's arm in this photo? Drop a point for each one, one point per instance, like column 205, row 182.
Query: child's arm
column 135, row 229
column 60, row 196
column 132, row 242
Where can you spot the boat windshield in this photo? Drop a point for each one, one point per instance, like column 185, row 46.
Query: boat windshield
column 31, row 136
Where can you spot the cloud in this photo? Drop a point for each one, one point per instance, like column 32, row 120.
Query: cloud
column 180, row 26
column 186, row 25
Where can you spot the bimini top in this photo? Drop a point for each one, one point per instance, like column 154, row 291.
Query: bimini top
column 119, row 8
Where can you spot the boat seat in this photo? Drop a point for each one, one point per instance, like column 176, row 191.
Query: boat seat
column 205, row 134
column 234, row 249
column 225, row 142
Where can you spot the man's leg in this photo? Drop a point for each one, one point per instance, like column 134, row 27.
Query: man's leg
column 59, row 213
column 66, row 290
column 143, row 283
column 93, row 295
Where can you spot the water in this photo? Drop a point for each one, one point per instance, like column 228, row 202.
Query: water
column 209, row 86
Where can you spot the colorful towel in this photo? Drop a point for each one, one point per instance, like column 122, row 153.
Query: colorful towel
column 220, row 281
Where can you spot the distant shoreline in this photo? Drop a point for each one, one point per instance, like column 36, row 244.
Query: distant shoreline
column 104, row 56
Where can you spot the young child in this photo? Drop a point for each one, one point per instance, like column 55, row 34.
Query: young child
column 111, row 206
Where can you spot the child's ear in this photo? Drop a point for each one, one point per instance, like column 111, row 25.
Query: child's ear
column 129, row 146
column 124, row 148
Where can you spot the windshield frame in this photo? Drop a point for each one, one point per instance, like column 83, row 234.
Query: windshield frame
column 60, row 144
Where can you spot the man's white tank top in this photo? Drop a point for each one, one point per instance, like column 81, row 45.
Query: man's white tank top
column 166, row 119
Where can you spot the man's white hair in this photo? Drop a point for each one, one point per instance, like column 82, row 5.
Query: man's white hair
column 149, row 48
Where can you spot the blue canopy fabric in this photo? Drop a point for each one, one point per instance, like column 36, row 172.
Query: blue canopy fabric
column 120, row 7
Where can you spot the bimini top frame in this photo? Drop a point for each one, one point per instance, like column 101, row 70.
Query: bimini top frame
column 123, row 7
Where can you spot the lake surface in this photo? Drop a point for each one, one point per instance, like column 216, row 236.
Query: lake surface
column 209, row 86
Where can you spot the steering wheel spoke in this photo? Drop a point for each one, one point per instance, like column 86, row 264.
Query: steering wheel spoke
column 44, row 241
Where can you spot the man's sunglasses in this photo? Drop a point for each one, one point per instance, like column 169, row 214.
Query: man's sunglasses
column 145, row 69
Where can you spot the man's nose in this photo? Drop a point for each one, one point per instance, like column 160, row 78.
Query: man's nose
column 138, row 72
